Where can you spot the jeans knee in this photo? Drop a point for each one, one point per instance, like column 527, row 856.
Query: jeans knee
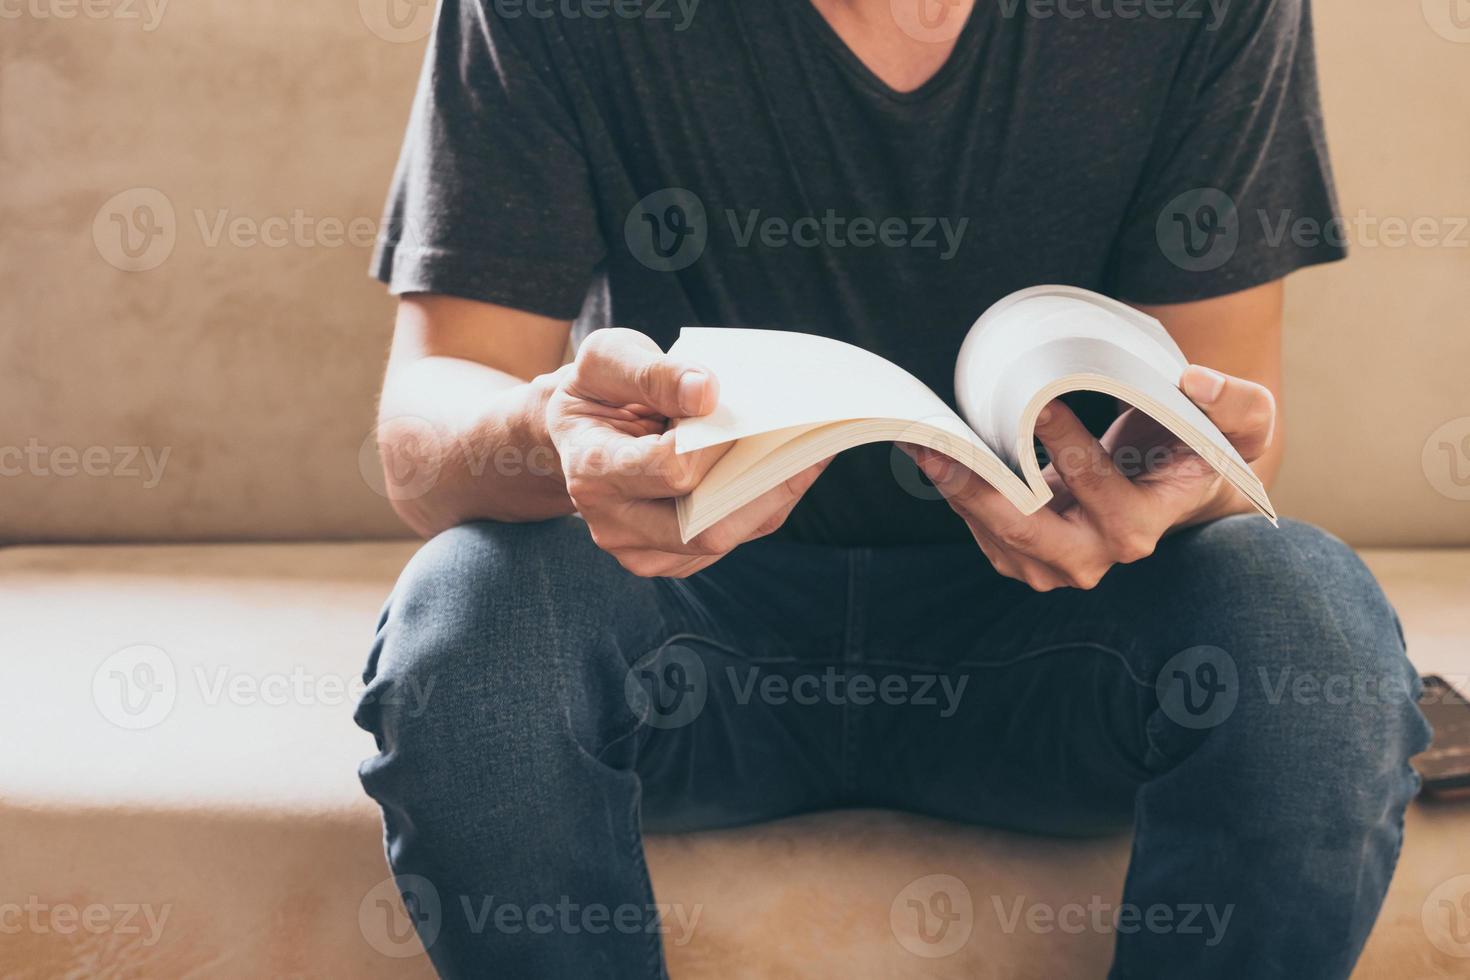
column 497, row 639
column 1293, row 597
column 454, row 601
column 1302, row 672
column 479, row 574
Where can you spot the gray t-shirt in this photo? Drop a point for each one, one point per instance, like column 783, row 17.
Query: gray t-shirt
column 733, row 163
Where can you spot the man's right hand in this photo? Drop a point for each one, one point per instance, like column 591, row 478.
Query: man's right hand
column 608, row 419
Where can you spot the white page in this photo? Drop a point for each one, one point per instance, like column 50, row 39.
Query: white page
column 1045, row 341
column 986, row 387
column 1094, row 365
column 775, row 379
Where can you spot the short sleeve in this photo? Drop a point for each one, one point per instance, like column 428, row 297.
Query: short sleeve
column 492, row 198
column 1238, row 191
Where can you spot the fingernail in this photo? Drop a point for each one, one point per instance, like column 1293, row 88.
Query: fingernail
column 1203, row 384
column 1045, row 416
column 691, row 391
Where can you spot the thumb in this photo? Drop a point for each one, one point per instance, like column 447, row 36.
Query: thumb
column 1243, row 410
column 622, row 367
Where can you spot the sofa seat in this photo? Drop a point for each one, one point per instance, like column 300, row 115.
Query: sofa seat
column 215, row 826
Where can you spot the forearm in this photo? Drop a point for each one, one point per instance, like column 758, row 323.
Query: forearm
column 461, row 441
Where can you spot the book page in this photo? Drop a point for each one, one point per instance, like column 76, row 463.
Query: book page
column 1093, row 365
column 1044, row 342
column 773, row 380
column 757, row 463
column 988, row 387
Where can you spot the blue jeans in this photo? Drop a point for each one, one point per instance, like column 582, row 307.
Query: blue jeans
column 1241, row 699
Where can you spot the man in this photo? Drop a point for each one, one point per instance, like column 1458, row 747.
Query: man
column 879, row 172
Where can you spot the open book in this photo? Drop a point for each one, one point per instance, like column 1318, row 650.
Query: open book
column 789, row 400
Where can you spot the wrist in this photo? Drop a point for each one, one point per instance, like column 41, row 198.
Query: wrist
column 533, row 424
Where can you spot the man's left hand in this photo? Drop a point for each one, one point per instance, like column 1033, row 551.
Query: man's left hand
column 1104, row 514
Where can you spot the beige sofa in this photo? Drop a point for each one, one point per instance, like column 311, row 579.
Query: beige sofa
column 211, row 379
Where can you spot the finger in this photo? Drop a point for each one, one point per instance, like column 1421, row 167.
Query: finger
column 762, row 515
column 659, row 564
column 1044, row 550
column 1014, row 565
column 653, row 525
column 1243, row 410
column 1083, row 464
column 1180, row 488
column 624, row 367
column 642, row 468
column 774, row 523
column 630, row 527
column 1045, row 535
column 1011, row 564
column 1038, row 576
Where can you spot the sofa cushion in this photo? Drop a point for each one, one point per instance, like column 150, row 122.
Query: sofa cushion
column 217, row 827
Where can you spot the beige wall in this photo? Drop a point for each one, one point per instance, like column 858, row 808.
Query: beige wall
column 254, row 367
column 1378, row 348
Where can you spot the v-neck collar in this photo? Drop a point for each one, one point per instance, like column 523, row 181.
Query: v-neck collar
column 956, row 62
